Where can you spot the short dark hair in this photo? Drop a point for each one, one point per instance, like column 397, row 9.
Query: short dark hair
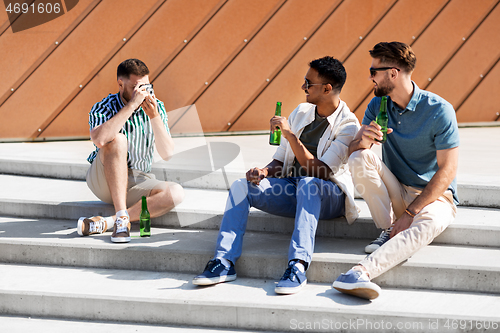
column 331, row 70
column 395, row 53
column 132, row 66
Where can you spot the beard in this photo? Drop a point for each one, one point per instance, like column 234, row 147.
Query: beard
column 126, row 96
column 383, row 89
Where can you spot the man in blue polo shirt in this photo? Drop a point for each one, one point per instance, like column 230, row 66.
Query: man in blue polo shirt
column 411, row 193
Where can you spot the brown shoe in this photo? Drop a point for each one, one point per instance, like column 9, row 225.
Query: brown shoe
column 121, row 230
column 91, row 225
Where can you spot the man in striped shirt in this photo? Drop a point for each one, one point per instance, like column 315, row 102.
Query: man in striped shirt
column 125, row 127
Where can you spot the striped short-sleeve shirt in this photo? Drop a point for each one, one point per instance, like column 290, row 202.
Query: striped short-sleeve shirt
column 137, row 129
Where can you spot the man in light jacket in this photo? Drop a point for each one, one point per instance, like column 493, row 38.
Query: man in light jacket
column 308, row 179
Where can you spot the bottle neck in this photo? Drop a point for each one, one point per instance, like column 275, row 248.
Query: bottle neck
column 144, row 204
column 278, row 110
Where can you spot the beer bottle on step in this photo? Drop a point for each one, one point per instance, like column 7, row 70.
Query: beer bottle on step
column 145, row 219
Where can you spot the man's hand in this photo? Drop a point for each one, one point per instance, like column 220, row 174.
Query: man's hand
column 365, row 138
column 281, row 122
column 371, row 132
column 150, row 106
column 401, row 224
column 138, row 96
column 255, row 175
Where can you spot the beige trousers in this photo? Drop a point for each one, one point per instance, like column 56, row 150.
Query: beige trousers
column 387, row 200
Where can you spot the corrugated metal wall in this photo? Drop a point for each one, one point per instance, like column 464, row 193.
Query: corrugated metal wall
column 234, row 59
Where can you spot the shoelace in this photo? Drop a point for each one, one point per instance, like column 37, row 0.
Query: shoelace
column 96, row 226
column 384, row 235
column 121, row 224
column 290, row 274
column 212, row 266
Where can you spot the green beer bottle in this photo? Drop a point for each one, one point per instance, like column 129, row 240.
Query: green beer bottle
column 145, row 219
column 275, row 137
column 382, row 118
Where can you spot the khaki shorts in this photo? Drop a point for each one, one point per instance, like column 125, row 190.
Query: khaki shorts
column 139, row 183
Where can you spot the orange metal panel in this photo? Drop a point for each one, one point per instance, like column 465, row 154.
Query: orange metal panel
column 167, row 28
column 479, row 53
column 482, row 104
column 22, row 49
column 404, row 20
column 68, row 65
column 4, row 18
column 208, row 52
column 337, row 37
column 442, row 39
column 263, row 54
column 444, row 36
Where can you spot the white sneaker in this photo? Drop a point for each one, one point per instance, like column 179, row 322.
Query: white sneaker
column 91, row 225
column 121, row 230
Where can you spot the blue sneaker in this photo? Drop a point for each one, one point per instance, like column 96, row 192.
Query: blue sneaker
column 215, row 272
column 358, row 284
column 292, row 281
column 377, row 243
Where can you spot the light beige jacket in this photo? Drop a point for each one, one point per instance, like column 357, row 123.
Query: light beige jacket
column 332, row 148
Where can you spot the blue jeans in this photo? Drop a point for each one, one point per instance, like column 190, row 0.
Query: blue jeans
column 308, row 199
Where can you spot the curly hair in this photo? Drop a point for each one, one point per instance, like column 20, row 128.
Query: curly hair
column 331, row 70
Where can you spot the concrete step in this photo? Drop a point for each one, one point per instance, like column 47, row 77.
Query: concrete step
column 18, row 324
column 203, row 209
column 470, row 194
column 211, row 165
column 55, row 242
column 170, row 299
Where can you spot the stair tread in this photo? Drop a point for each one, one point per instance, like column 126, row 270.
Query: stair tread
column 60, row 233
column 55, row 191
column 176, row 288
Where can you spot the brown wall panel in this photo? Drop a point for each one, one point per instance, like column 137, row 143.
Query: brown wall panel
column 439, row 42
column 444, row 36
column 4, row 18
column 257, row 61
column 168, row 28
column 336, row 37
column 211, row 49
column 68, row 65
column 483, row 104
column 479, row 53
column 403, row 20
column 22, row 49
column 47, row 76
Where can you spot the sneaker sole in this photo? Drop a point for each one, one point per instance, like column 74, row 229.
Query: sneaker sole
column 366, row 290
column 214, row 280
column 289, row 290
column 120, row 239
column 79, row 226
column 370, row 249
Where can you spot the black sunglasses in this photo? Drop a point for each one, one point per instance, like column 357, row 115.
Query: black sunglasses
column 373, row 70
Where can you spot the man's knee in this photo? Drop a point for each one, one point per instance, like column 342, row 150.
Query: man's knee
column 309, row 186
column 176, row 192
column 172, row 193
column 239, row 186
column 119, row 142
column 360, row 161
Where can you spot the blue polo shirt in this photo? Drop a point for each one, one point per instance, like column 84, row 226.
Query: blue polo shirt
column 428, row 124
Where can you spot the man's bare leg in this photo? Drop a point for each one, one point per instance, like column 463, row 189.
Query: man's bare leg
column 161, row 200
column 114, row 158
